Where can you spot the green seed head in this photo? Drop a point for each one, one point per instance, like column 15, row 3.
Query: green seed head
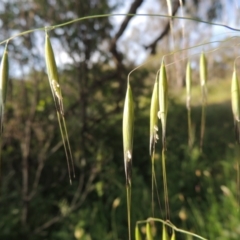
column 149, row 231
column 173, row 237
column 188, row 83
column 137, row 233
column 203, row 69
column 235, row 94
column 4, row 76
column 128, row 125
column 50, row 61
column 164, row 233
column 154, row 117
column 163, row 100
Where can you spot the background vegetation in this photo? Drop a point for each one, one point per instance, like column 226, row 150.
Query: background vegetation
column 94, row 58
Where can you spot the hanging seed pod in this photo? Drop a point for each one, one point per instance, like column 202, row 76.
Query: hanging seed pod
column 164, row 233
column 3, row 84
column 128, row 125
column 127, row 128
column 203, row 77
column 137, row 233
column 154, row 117
column 149, row 231
column 188, row 102
column 53, row 75
column 50, row 61
column 235, row 95
column 163, row 104
column 173, row 237
column 188, row 85
column 57, row 97
column 203, row 81
column 203, row 69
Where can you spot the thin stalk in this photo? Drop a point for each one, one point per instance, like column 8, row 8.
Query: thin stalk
column 158, row 198
column 238, row 163
column 167, row 209
column 238, row 181
column 128, row 188
column 203, row 81
column 190, row 135
column 114, row 225
column 167, row 223
column 195, row 46
column 117, row 14
column 203, row 117
column 154, row 183
column 63, row 135
column 0, row 164
column 188, row 102
column 153, row 170
column 68, row 144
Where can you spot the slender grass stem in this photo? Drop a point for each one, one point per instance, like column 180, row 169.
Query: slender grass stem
column 63, row 135
column 153, row 170
column 154, row 183
column 68, row 145
column 238, row 183
column 0, row 163
column 118, row 14
column 203, row 119
column 238, row 165
column 158, row 197
column 190, row 135
column 128, row 188
column 114, row 225
column 166, row 200
column 168, row 223
column 202, row 127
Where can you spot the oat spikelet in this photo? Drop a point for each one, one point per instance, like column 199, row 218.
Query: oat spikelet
column 149, row 231
column 235, row 95
column 203, row 82
column 137, row 233
column 127, row 128
column 3, row 85
column 165, row 235
column 163, row 101
column 188, row 102
column 154, row 117
column 58, row 100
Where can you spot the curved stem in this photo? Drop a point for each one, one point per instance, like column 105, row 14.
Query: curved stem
column 49, row 28
column 168, row 223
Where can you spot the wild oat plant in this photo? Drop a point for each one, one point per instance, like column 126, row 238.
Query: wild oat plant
column 159, row 108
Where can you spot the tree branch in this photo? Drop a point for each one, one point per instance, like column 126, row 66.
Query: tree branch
column 113, row 48
column 165, row 31
column 77, row 201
